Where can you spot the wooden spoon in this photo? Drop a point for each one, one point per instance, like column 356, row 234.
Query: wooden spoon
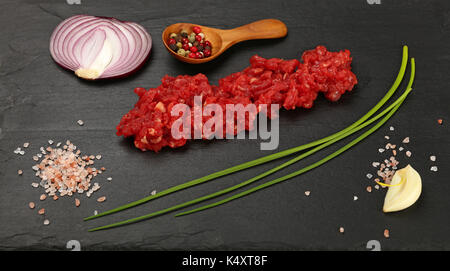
column 222, row 39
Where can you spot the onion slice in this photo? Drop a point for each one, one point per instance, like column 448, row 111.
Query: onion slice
column 98, row 47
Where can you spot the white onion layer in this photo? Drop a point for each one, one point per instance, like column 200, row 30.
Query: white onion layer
column 95, row 47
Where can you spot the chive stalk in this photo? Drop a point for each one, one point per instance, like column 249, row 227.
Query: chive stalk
column 319, row 163
column 271, row 157
column 227, row 190
column 390, row 111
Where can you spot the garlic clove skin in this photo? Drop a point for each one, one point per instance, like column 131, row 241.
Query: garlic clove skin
column 405, row 190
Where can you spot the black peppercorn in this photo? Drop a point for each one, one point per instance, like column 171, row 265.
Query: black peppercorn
column 174, row 47
column 184, row 33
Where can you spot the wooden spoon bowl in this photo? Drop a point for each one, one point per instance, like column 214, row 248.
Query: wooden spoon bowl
column 222, row 39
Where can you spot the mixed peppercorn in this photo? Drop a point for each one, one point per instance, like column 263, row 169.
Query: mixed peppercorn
column 193, row 45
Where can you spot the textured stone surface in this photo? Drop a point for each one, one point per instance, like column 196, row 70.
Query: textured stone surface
column 40, row 101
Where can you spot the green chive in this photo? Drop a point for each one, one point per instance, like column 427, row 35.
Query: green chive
column 306, row 169
column 391, row 110
column 268, row 158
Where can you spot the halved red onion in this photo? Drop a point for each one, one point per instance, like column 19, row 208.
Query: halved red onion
column 98, row 47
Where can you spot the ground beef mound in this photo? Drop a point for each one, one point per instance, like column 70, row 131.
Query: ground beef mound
column 289, row 83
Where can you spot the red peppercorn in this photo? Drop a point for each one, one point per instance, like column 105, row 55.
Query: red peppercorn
column 172, row 41
column 198, row 38
column 186, row 46
column 196, row 29
column 198, row 55
column 194, row 49
column 185, row 40
column 207, row 43
column 207, row 53
column 192, row 55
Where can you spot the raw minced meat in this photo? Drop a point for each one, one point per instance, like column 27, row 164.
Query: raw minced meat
column 288, row 83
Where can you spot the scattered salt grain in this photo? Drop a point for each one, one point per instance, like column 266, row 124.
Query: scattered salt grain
column 16, row 151
column 390, row 146
column 50, row 141
column 355, row 198
column 41, row 211
column 433, row 158
column 77, row 202
column 43, row 197
column 391, row 128
column 386, row 233
column 401, row 149
column 369, row 189
column 109, row 178
column 46, row 222
column 31, row 205
column 406, row 140
column 59, row 144
column 434, row 168
column 381, row 150
column 307, row 193
column 341, row 229
column 375, row 164
column 35, row 158
column 98, row 157
column 95, row 212
column 20, row 172
column 35, row 185
column 80, row 122
column 377, row 187
column 439, row 121
column 369, row 176
column 101, row 199
column 408, row 153
column 26, row 144
column 387, row 137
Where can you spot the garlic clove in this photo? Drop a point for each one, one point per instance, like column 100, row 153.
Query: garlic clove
column 405, row 190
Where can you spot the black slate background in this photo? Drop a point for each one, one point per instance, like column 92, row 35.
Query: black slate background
column 40, row 101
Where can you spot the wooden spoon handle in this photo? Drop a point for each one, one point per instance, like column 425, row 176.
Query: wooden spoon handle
column 263, row 29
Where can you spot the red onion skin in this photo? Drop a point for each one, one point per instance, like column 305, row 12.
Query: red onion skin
column 119, row 76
